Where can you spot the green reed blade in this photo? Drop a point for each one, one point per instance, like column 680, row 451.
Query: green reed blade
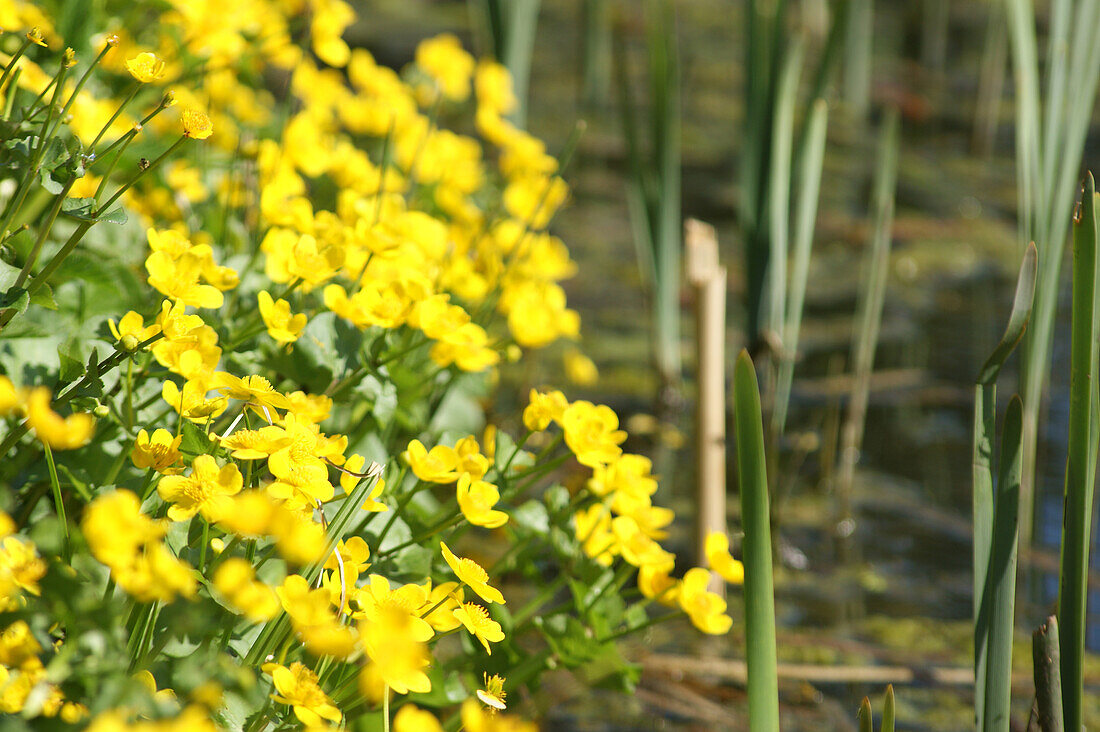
column 1046, row 656
column 763, row 686
column 857, row 62
column 1073, row 584
column 869, row 317
column 998, row 598
column 808, row 188
column 1017, row 319
column 985, row 425
column 888, row 710
column 779, row 191
column 664, row 74
column 985, row 402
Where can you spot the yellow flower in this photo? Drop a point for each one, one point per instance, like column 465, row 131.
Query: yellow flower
column 634, row 546
column 410, row 718
column 160, row 452
column 145, row 67
column 476, row 620
column 196, row 124
column 579, row 368
column 470, row 459
column 20, row 570
column 60, row 433
column 706, row 609
column 592, row 433
column 133, row 325
column 543, row 408
column 282, row 325
column 717, row 549
column 191, row 402
column 473, row 575
column 256, row 390
column 444, row 59
column 441, row 602
column 493, row 83
column 396, row 612
column 236, row 581
column 206, row 490
column 298, row 686
column 655, row 583
column 178, row 278
column 10, row 397
column 350, row 475
column 437, row 465
column 493, row 694
column 115, row 528
column 476, row 499
column 34, row 35
column 256, row 444
column 593, row 530
column 397, row 659
column 476, row 718
column 156, row 574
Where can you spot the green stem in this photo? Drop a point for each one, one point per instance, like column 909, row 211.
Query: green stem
column 129, row 98
column 43, row 232
column 58, row 500
column 638, row 628
column 11, row 64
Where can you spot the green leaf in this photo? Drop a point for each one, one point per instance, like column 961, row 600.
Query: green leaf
column 71, row 363
column 533, row 517
column 1017, row 319
column 51, row 185
column 447, row 689
column 195, row 440
column 116, row 216
column 44, row 297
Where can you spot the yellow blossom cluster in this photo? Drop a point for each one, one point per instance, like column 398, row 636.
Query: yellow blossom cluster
column 129, row 542
column 59, row 433
column 365, row 212
column 624, row 522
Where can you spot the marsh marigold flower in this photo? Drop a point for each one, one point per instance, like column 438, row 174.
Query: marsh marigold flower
column 60, row 433
column 717, row 549
column 145, row 67
column 207, row 490
column 706, row 609
column 298, row 686
column 196, row 124
column 160, row 452
column 476, row 499
column 592, row 433
column 437, row 465
column 492, row 695
column 282, row 325
column 544, row 408
column 10, row 397
column 476, row 619
column 410, row 718
column 236, row 581
column 34, row 35
column 473, row 575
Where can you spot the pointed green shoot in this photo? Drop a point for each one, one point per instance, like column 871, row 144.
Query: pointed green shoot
column 763, row 685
